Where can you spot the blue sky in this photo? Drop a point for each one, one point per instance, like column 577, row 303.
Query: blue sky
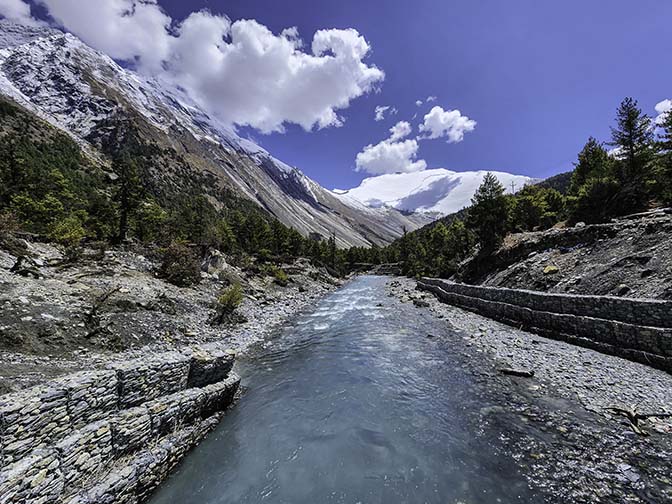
column 539, row 77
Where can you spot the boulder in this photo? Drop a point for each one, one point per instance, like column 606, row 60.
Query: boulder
column 214, row 264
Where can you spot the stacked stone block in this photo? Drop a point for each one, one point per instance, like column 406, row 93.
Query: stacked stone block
column 636, row 329
column 60, row 441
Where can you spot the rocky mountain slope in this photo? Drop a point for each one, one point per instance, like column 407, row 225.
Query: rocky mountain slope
column 86, row 94
column 627, row 257
column 436, row 191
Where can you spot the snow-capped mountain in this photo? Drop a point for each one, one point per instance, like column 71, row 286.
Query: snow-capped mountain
column 436, row 191
column 86, row 94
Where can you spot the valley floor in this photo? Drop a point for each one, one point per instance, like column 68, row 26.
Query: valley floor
column 566, row 441
column 555, row 425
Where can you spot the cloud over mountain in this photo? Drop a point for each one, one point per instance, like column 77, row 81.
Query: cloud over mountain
column 18, row 11
column 452, row 124
column 392, row 155
column 240, row 71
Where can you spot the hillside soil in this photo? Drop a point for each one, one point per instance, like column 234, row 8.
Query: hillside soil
column 72, row 316
column 556, row 424
column 627, row 257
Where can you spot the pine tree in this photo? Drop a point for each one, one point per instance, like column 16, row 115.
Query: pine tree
column 594, row 162
column 280, row 238
column 664, row 167
column 633, row 138
column 332, row 251
column 128, row 195
column 438, row 251
column 403, row 246
column 488, row 215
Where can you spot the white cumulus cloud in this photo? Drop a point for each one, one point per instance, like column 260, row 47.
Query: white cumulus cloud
column 240, row 71
column 250, row 76
column 452, row 124
column 382, row 110
column 17, row 11
column 393, row 155
column 662, row 108
column 400, row 130
column 418, row 103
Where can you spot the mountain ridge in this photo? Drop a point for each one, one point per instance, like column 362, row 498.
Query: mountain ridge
column 86, row 94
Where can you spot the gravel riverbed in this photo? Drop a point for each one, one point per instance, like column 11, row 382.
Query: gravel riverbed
column 555, row 424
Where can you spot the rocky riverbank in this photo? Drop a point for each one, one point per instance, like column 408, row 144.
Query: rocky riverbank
column 556, row 424
column 82, row 314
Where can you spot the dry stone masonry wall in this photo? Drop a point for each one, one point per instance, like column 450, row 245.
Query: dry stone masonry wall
column 636, row 329
column 111, row 436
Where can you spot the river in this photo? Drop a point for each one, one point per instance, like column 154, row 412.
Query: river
column 362, row 401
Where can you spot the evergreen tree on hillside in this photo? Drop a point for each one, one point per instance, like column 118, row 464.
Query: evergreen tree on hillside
column 633, row 138
column 332, row 250
column 403, row 246
column 597, row 201
column 594, row 162
column 488, row 215
column 280, row 238
column 664, row 167
column 437, row 249
column 128, row 194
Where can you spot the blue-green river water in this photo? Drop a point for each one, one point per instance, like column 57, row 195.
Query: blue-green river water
column 352, row 403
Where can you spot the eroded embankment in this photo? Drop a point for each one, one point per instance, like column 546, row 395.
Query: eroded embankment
column 78, row 316
column 111, row 435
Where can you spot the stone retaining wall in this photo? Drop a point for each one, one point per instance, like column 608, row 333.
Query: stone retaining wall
column 111, row 435
column 636, row 329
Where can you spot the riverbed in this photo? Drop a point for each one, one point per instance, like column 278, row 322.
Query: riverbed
column 362, row 400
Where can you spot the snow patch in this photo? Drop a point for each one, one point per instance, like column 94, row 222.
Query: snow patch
column 437, row 190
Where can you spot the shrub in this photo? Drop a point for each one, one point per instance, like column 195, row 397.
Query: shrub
column 280, row 277
column 230, row 299
column 264, row 255
column 180, row 265
column 69, row 232
column 227, row 303
column 37, row 215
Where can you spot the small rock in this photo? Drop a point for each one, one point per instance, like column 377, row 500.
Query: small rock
column 623, row 290
column 551, row 270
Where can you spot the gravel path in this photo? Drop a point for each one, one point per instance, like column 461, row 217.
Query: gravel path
column 555, row 424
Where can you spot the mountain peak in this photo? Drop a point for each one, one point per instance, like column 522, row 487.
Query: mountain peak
column 433, row 191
